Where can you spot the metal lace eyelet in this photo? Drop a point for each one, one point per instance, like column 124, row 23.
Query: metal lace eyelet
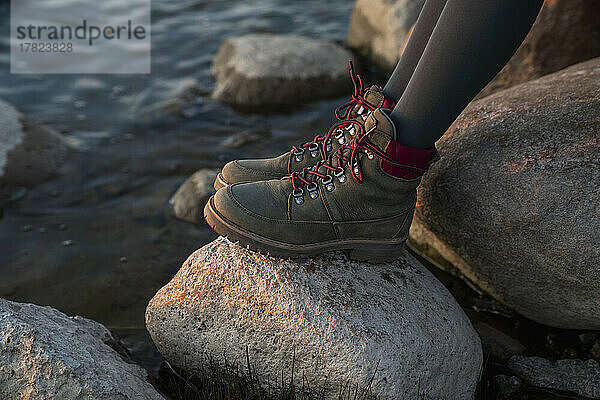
column 298, row 196
column 369, row 154
column 352, row 130
column 312, row 190
column 328, row 183
column 364, row 116
column 314, row 149
column 299, row 155
column 361, row 110
column 340, row 136
column 339, row 174
column 329, row 146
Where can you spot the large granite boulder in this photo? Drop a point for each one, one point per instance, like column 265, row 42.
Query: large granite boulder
column 336, row 321
column 266, row 69
column 514, row 202
column 189, row 200
column 566, row 32
column 45, row 355
column 29, row 153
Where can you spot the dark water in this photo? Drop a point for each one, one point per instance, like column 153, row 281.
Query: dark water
column 99, row 240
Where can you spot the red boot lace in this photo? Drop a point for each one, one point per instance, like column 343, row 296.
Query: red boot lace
column 342, row 113
column 347, row 154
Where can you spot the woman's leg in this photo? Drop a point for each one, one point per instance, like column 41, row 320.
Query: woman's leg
column 414, row 49
column 469, row 45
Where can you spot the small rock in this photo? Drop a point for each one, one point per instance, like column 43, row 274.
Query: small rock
column 79, row 104
column 497, row 344
column 333, row 317
column 514, row 201
column 506, row 385
column 42, row 230
column 29, row 153
column 67, row 242
column 62, row 227
column 243, row 138
column 27, row 228
column 191, row 197
column 266, row 69
column 46, row 355
column 572, row 375
column 123, row 259
column 588, row 338
column 595, row 350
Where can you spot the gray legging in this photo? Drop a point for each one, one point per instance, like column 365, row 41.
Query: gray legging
column 455, row 49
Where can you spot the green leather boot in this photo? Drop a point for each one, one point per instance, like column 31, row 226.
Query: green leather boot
column 361, row 199
column 309, row 153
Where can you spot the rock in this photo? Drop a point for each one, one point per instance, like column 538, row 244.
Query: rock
column 328, row 316
column 588, row 338
column 29, row 153
column 379, row 28
column 265, row 69
column 577, row 376
column 506, row 385
column 44, row 354
column 191, row 197
column 514, row 203
column 246, row 137
column 595, row 350
column 566, row 32
column 497, row 344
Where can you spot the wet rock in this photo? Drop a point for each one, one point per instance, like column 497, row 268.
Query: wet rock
column 497, row 344
column 29, row 153
column 577, row 376
column 595, row 350
column 327, row 316
column 566, row 32
column 506, row 385
column 266, row 69
column 44, row 354
column 379, row 28
column 243, row 138
column 514, row 203
column 191, row 197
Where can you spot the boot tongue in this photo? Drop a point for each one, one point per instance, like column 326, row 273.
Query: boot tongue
column 380, row 119
column 375, row 98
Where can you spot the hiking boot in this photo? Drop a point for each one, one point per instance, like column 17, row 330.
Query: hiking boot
column 307, row 154
column 361, row 199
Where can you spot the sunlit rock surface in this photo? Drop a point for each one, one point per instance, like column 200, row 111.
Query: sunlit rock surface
column 45, row 355
column 328, row 316
column 379, row 28
column 514, row 202
column 267, row 69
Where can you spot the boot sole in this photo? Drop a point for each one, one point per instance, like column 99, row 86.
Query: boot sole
column 373, row 251
column 220, row 182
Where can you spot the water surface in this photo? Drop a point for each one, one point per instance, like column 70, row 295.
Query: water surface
column 99, row 240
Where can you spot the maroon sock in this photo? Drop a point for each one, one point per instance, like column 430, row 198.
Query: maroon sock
column 411, row 156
